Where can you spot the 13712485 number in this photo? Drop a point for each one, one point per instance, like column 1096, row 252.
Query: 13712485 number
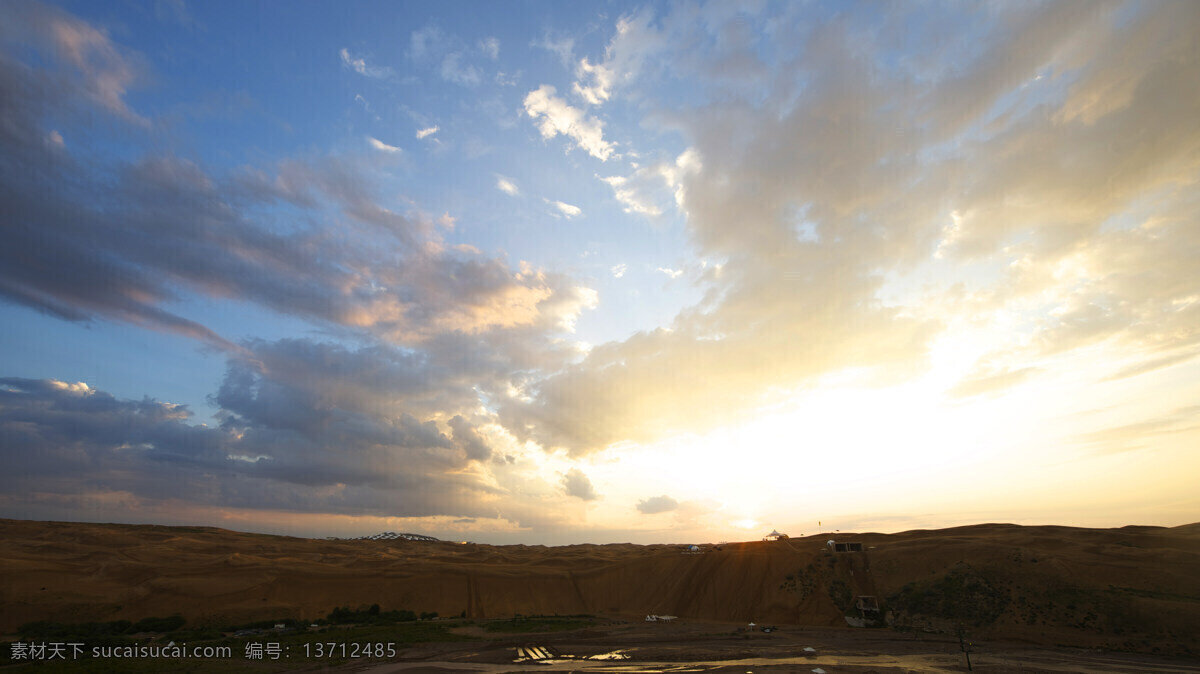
column 335, row 649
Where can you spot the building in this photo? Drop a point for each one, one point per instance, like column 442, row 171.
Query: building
column 844, row 547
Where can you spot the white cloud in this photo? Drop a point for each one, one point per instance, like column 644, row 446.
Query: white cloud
column 619, row 270
column 555, row 116
column 359, row 65
column 455, row 71
column 651, row 190
column 490, row 47
column 424, row 40
column 358, row 98
column 602, row 80
column 382, row 146
column 568, row 210
column 564, row 48
column 673, row 273
column 636, row 41
column 451, row 55
column 657, row 504
column 424, row 133
column 631, row 197
column 507, row 186
column 1047, row 201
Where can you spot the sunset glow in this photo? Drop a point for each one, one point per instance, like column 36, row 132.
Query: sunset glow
column 599, row 273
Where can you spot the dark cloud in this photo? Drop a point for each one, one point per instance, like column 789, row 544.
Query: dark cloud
column 49, row 428
column 55, row 258
column 576, row 483
column 657, row 504
column 389, row 427
column 302, row 384
column 67, row 438
column 469, row 439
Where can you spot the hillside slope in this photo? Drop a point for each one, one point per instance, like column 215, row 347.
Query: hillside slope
column 1134, row 588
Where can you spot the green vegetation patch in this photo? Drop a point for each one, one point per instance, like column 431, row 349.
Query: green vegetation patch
column 803, row 582
column 841, row 594
column 343, row 615
column 963, row 594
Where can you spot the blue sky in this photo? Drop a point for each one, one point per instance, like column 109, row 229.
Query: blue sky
column 598, row 272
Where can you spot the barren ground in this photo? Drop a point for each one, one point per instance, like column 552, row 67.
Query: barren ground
column 1031, row 598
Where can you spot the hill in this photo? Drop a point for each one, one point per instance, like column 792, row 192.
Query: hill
column 1133, row 588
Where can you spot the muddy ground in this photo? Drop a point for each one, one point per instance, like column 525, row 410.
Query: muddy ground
column 729, row 648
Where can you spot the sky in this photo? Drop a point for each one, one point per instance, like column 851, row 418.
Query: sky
column 553, row 273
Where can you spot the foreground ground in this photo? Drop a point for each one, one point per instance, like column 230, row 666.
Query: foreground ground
column 620, row 647
column 716, row 647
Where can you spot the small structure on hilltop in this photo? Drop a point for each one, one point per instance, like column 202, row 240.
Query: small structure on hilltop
column 775, row 536
column 693, row 550
column 844, row 547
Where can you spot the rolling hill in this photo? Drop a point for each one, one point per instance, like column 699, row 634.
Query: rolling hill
column 1132, row 588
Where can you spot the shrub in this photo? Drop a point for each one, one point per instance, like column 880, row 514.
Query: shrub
column 841, row 595
column 963, row 594
column 344, row 615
